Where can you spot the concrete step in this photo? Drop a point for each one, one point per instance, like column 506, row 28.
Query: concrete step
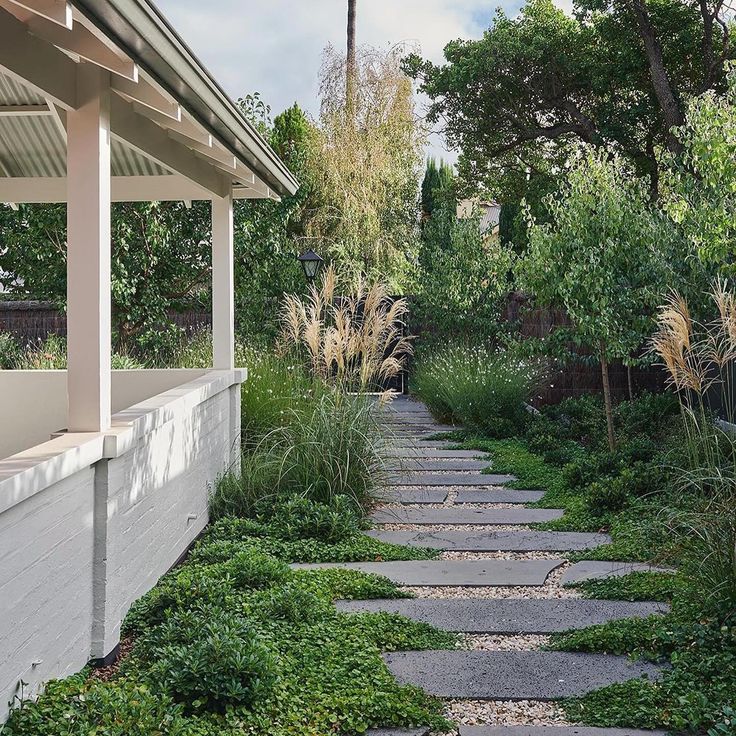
column 429, row 453
column 399, row 494
column 471, row 573
column 513, row 675
column 450, row 479
column 482, row 541
column 507, row 616
column 463, row 515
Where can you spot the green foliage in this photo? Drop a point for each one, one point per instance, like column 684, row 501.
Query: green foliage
column 700, row 190
column 208, row 659
column 483, row 390
column 276, row 660
column 438, row 179
column 10, row 351
column 541, row 84
column 636, row 586
column 302, row 518
column 80, row 706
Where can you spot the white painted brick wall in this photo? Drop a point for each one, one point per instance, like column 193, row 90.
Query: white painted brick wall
column 74, row 556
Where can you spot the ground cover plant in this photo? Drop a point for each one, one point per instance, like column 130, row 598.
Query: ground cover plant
column 234, row 641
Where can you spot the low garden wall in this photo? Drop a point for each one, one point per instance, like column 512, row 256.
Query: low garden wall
column 89, row 522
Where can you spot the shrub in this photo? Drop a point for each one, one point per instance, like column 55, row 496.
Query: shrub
column 292, row 603
column 607, row 495
column 10, row 351
column 484, row 390
column 208, row 659
column 300, row 518
column 249, row 569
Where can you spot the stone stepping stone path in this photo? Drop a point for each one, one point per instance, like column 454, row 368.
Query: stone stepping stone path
column 513, row 675
column 415, row 495
column 497, row 495
column 490, row 582
column 433, row 573
column 463, row 515
column 450, row 479
column 482, row 541
column 424, row 466
column 510, row 616
column 593, row 570
column 429, row 454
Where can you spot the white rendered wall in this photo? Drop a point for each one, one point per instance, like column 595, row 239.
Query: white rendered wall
column 34, row 403
column 89, row 522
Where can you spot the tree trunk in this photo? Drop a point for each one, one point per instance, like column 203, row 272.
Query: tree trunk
column 607, row 397
column 350, row 66
column 668, row 102
column 630, row 382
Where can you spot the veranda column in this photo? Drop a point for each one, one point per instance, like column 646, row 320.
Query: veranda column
column 88, row 253
column 223, row 283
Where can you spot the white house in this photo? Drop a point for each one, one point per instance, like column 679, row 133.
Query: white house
column 104, row 474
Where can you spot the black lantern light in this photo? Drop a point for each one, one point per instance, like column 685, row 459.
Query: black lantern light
column 311, row 264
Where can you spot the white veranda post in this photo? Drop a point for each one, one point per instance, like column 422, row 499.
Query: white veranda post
column 88, row 253
column 223, row 296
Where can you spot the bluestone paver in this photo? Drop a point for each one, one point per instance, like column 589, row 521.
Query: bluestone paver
column 429, row 453
column 593, row 569
column 428, row 466
column 450, row 479
column 523, row 675
column 472, row 573
column 554, row 731
column 488, row 541
column 415, row 495
column 463, row 515
column 507, row 616
column 397, row 731
column 497, row 495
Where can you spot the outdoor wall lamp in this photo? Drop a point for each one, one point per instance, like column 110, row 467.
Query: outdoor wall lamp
column 311, row 264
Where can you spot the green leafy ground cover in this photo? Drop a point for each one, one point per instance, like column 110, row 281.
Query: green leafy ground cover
column 236, row 642
column 629, row 495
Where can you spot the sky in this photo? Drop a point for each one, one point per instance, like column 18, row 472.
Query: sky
column 275, row 47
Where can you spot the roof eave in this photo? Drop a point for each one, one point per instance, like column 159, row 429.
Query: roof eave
column 139, row 28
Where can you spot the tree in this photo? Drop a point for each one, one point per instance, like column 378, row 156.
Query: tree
column 607, row 257
column 538, row 86
column 700, row 190
column 366, row 169
column 436, row 179
column 351, row 71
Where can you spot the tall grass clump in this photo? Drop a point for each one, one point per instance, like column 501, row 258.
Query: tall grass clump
column 486, row 391
column 10, row 351
column 328, row 453
column 354, row 342
column 700, row 360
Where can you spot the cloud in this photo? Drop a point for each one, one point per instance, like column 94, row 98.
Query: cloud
column 275, row 48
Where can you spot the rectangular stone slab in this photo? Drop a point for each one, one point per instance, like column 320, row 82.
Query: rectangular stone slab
column 472, row 573
column 513, row 675
column 397, row 732
column 553, row 731
column 592, row 569
column 463, row 515
column 415, row 495
column 507, row 616
column 450, row 479
column 412, row 453
column 427, row 466
column 476, row 541
column 497, row 495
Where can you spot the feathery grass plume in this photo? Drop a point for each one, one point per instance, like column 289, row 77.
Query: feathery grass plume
column 354, row 341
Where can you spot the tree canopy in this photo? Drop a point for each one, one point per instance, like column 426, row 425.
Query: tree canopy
column 537, row 86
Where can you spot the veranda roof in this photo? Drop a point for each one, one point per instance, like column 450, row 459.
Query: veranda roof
column 175, row 133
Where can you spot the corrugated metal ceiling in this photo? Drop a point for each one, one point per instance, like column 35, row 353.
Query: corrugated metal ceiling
column 33, row 146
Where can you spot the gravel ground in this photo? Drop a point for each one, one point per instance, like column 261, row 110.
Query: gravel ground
column 450, row 555
column 500, row 643
column 504, row 713
column 551, row 589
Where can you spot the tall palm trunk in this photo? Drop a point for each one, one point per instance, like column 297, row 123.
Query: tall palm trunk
column 350, row 68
